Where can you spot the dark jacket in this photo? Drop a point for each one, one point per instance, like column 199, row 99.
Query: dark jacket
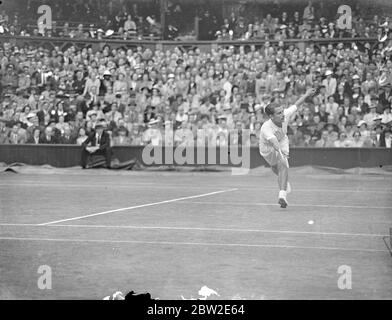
column 70, row 140
column 104, row 143
column 44, row 140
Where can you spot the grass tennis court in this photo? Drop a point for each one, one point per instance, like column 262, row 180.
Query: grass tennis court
column 170, row 233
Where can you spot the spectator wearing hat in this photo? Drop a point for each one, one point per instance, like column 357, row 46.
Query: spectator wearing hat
column 362, row 128
column 100, row 34
column 91, row 33
column 98, row 143
column 122, row 139
column 377, row 122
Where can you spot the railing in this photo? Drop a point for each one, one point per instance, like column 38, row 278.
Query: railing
column 153, row 44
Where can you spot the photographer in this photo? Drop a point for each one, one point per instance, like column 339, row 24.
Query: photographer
column 98, row 143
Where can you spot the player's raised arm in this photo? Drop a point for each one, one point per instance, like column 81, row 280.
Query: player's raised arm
column 309, row 93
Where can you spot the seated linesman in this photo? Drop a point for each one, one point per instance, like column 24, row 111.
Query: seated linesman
column 98, row 143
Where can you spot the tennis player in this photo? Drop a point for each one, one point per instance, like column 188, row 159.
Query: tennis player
column 274, row 143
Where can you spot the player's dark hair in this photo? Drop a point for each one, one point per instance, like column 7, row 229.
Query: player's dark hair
column 270, row 108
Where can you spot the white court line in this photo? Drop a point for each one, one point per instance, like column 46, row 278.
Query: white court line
column 154, row 185
column 290, row 205
column 139, row 206
column 198, row 229
column 192, row 244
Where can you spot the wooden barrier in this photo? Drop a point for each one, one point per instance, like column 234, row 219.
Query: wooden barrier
column 68, row 156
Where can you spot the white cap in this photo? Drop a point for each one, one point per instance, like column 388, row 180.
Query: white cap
column 109, row 33
column 383, row 38
column 360, row 123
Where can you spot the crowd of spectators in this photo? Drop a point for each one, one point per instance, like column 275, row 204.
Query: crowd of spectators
column 123, row 20
column 59, row 97
column 102, row 20
column 308, row 23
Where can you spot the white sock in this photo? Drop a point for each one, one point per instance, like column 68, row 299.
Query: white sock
column 282, row 194
column 288, row 188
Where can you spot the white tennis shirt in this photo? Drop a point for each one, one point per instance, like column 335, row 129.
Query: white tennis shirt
column 269, row 130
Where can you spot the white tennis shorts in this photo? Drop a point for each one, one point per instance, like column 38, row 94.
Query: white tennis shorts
column 272, row 158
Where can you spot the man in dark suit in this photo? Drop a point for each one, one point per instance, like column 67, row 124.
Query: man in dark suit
column 67, row 137
column 386, row 139
column 98, row 143
column 48, row 137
